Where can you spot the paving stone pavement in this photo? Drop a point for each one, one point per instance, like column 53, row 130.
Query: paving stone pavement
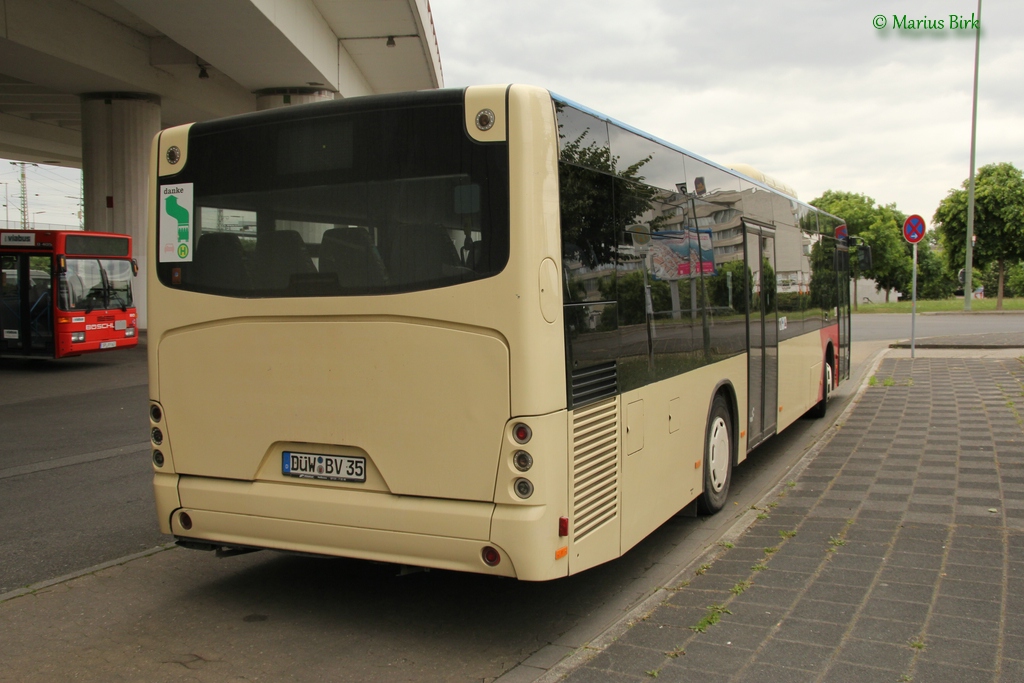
column 896, row 555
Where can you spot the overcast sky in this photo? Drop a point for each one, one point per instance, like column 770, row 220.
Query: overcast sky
column 808, row 91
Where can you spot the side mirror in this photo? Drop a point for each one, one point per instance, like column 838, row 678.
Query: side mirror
column 864, row 257
column 135, row 268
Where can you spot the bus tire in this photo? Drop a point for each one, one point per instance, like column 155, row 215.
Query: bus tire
column 819, row 409
column 718, row 448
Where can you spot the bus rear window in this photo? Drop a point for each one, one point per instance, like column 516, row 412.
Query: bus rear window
column 353, row 203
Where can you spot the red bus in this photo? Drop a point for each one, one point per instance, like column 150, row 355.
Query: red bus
column 65, row 293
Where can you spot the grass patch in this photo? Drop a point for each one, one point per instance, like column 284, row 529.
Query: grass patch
column 769, row 551
column 713, row 616
column 888, row 382
column 739, row 587
column 759, row 567
column 790, row 484
column 762, row 515
column 954, row 305
column 787, row 534
column 702, row 569
column 833, row 541
column 653, row 673
column 917, row 643
column 726, row 544
column 872, row 381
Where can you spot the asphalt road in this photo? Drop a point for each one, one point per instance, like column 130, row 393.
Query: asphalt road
column 75, row 480
column 882, row 326
column 75, row 492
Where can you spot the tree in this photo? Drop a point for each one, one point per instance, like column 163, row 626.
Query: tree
column 598, row 201
column 934, row 281
column 893, row 265
column 998, row 222
column 859, row 213
column 1015, row 279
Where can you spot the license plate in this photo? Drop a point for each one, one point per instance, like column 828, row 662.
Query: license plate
column 108, row 344
column 330, row 467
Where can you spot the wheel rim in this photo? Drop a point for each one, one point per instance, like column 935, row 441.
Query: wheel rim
column 828, row 380
column 718, row 454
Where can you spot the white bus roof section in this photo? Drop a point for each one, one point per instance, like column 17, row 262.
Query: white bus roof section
column 52, row 51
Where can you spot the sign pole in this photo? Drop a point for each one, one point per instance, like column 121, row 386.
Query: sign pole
column 913, row 305
column 913, row 232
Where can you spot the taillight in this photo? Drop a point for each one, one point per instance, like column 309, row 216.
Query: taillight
column 490, row 555
column 522, row 433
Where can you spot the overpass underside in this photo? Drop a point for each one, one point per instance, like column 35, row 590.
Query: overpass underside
column 88, row 83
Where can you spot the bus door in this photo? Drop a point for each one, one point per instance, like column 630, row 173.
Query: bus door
column 843, row 302
column 26, row 305
column 763, row 334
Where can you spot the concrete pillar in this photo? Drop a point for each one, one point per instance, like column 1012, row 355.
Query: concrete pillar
column 272, row 98
column 117, row 131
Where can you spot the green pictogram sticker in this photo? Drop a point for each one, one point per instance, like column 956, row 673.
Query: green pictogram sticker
column 176, row 229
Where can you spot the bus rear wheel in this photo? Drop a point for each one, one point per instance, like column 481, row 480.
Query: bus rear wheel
column 717, row 458
column 819, row 408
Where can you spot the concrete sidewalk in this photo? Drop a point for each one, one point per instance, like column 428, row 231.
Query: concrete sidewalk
column 896, row 554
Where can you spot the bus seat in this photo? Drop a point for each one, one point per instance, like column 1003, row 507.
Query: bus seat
column 352, row 256
column 422, row 254
column 220, row 262
column 279, row 255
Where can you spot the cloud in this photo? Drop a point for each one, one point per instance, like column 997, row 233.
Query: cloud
column 807, row 91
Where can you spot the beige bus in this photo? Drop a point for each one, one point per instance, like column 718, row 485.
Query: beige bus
column 486, row 330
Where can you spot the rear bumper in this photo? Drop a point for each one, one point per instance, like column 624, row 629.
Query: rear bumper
column 428, row 532
column 421, row 550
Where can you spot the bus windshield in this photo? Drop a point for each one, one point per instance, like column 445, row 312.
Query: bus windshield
column 348, row 203
column 91, row 284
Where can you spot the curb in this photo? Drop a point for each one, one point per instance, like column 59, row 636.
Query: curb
column 982, row 347
column 28, row 590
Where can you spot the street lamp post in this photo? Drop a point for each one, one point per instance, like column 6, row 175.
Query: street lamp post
column 968, row 290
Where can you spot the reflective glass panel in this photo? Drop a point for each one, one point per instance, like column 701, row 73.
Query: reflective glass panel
column 647, row 161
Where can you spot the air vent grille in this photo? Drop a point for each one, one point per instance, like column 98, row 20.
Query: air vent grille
column 594, row 383
column 595, row 469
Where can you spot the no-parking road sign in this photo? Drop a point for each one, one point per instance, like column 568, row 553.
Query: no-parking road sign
column 913, row 229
